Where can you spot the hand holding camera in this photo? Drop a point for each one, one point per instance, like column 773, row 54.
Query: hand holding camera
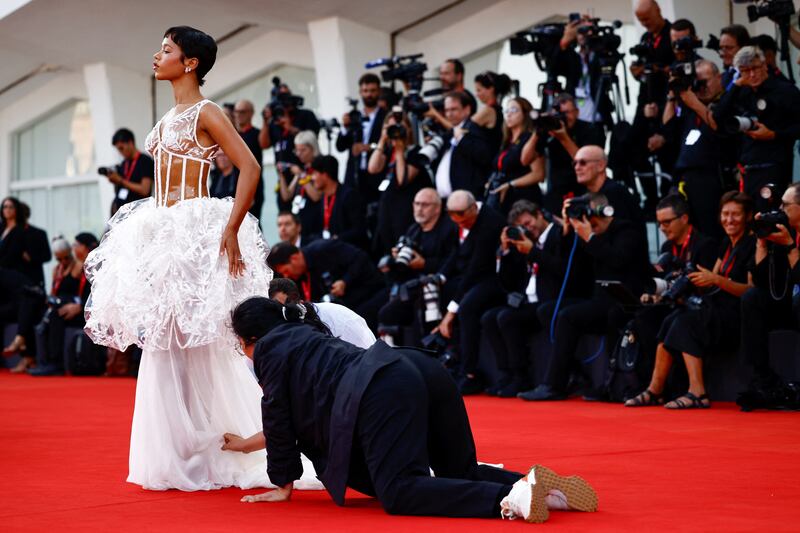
column 760, row 132
column 704, row 277
column 338, row 288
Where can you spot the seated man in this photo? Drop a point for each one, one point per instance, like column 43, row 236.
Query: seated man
column 617, row 250
column 378, row 421
column 343, row 211
column 332, row 270
column 472, row 285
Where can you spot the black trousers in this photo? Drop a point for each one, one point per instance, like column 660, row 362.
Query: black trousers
column 477, row 300
column 367, row 301
column 704, row 189
column 575, row 318
column 50, row 338
column 412, row 419
column 761, row 314
column 508, row 331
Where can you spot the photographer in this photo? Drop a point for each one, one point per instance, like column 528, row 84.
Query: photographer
column 590, row 165
column 465, row 162
column 695, row 330
column 559, row 146
column 341, row 207
column 332, row 270
column 358, row 138
column 451, row 77
column 768, row 305
column 133, row 179
column 283, row 119
column 511, row 180
column 405, row 174
column 436, row 238
column 768, row 45
column 224, row 177
column 69, row 295
column 531, row 271
column 296, row 191
column 731, row 39
column 290, row 229
column 617, row 250
column 705, row 158
column 768, row 111
column 472, row 285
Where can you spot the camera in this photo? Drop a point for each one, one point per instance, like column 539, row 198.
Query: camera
column 548, row 121
column 581, row 206
column 679, row 285
column 738, row 124
column 329, row 124
column 409, row 70
column 53, row 304
column 775, row 10
column 768, row 222
column 516, row 233
column 327, row 282
column 682, row 77
column 432, row 148
column 280, row 101
column 687, row 44
column 105, row 171
column 405, row 253
column 542, row 40
column 397, row 131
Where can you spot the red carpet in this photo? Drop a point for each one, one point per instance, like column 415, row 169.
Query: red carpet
column 64, row 446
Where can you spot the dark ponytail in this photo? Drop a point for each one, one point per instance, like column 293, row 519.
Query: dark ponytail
column 257, row 316
column 501, row 83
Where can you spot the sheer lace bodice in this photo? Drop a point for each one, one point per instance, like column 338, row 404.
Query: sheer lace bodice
column 182, row 163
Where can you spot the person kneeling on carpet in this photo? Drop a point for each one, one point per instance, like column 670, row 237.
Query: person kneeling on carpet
column 377, row 421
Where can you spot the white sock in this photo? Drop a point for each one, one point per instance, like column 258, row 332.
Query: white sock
column 556, row 500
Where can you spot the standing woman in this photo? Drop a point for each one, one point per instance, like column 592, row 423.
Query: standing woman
column 513, row 180
column 165, row 277
column 490, row 87
column 12, row 235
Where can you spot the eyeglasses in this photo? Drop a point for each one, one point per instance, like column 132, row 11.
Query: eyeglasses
column 784, row 205
column 667, row 221
column 511, row 111
column 583, row 162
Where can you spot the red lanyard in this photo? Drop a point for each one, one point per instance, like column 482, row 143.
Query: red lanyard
column 657, row 40
column 328, row 210
column 128, row 166
column 684, row 246
column 246, row 129
column 305, row 283
column 500, row 160
column 726, row 271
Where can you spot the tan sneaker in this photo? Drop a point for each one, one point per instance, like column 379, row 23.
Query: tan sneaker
column 579, row 494
column 526, row 500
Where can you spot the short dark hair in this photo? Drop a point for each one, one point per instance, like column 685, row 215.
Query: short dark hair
column 738, row 198
column 195, row 44
column 286, row 286
column 564, row 98
column 290, row 214
column 520, row 207
column 462, row 97
column 765, row 42
column 676, row 202
column 683, row 25
column 122, row 135
column 281, row 254
column 327, row 164
column 458, row 66
column 369, row 78
column 738, row 32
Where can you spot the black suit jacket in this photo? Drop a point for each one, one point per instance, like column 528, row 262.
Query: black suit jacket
column 348, row 222
column 474, row 260
column 361, row 180
column 620, row 254
column 470, row 162
column 313, row 386
column 344, row 262
column 38, row 247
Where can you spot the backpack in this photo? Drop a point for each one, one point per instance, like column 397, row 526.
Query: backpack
column 624, row 378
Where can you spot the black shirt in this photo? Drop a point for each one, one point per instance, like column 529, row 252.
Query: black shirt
column 624, row 203
column 735, row 264
column 620, row 254
column 283, row 144
column 437, row 244
column 700, row 147
column 774, row 103
column 224, row 186
column 133, row 170
column 654, row 89
column 700, row 250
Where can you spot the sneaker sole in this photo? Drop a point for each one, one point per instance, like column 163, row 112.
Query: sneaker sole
column 580, row 495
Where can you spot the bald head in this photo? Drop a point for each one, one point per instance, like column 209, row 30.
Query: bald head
column 590, row 167
column 648, row 12
column 460, row 200
column 427, row 208
column 243, row 113
column 462, row 208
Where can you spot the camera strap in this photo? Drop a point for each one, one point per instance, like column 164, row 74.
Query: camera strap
column 680, row 255
column 329, row 202
column 728, row 260
column 128, row 166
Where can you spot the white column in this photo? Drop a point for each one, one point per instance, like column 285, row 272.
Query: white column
column 118, row 98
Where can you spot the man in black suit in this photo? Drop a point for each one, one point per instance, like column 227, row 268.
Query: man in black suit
column 472, row 286
column 327, row 270
column 618, row 251
column 590, row 164
column 358, row 140
column 243, row 117
column 465, row 159
column 342, row 207
column 531, row 271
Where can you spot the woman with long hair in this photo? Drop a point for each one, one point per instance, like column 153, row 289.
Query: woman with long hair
column 490, row 88
column 165, row 277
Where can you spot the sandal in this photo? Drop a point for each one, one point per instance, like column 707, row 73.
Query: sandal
column 694, row 402
column 647, row 398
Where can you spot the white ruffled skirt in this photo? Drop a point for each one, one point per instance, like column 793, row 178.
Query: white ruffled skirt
column 158, row 281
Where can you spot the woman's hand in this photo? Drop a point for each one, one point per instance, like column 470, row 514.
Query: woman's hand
column 281, row 494
column 233, row 443
column 230, row 245
column 69, row 311
column 704, row 278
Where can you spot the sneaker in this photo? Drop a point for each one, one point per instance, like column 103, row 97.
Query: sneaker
column 541, row 393
column 579, row 495
column 526, row 500
column 532, row 496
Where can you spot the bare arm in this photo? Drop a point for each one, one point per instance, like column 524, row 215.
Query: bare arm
column 529, row 153
column 217, row 126
column 485, row 117
column 253, row 443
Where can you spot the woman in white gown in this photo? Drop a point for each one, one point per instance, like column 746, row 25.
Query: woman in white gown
column 166, row 276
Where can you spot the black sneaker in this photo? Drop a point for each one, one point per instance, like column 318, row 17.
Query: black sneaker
column 470, row 385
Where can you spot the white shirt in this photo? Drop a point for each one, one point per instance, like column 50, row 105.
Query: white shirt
column 345, row 324
column 443, row 184
column 530, row 290
column 366, row 128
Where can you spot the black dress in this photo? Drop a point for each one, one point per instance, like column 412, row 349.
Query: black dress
column 396, row 209
column 495, row 134
column 12, row 246
column 508, row 165
column 700, row 330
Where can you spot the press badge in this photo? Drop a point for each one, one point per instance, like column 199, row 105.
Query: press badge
column 122, row 194
column 693, row 137
column 298, row 203
column 384, row 185
column 326, row 234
